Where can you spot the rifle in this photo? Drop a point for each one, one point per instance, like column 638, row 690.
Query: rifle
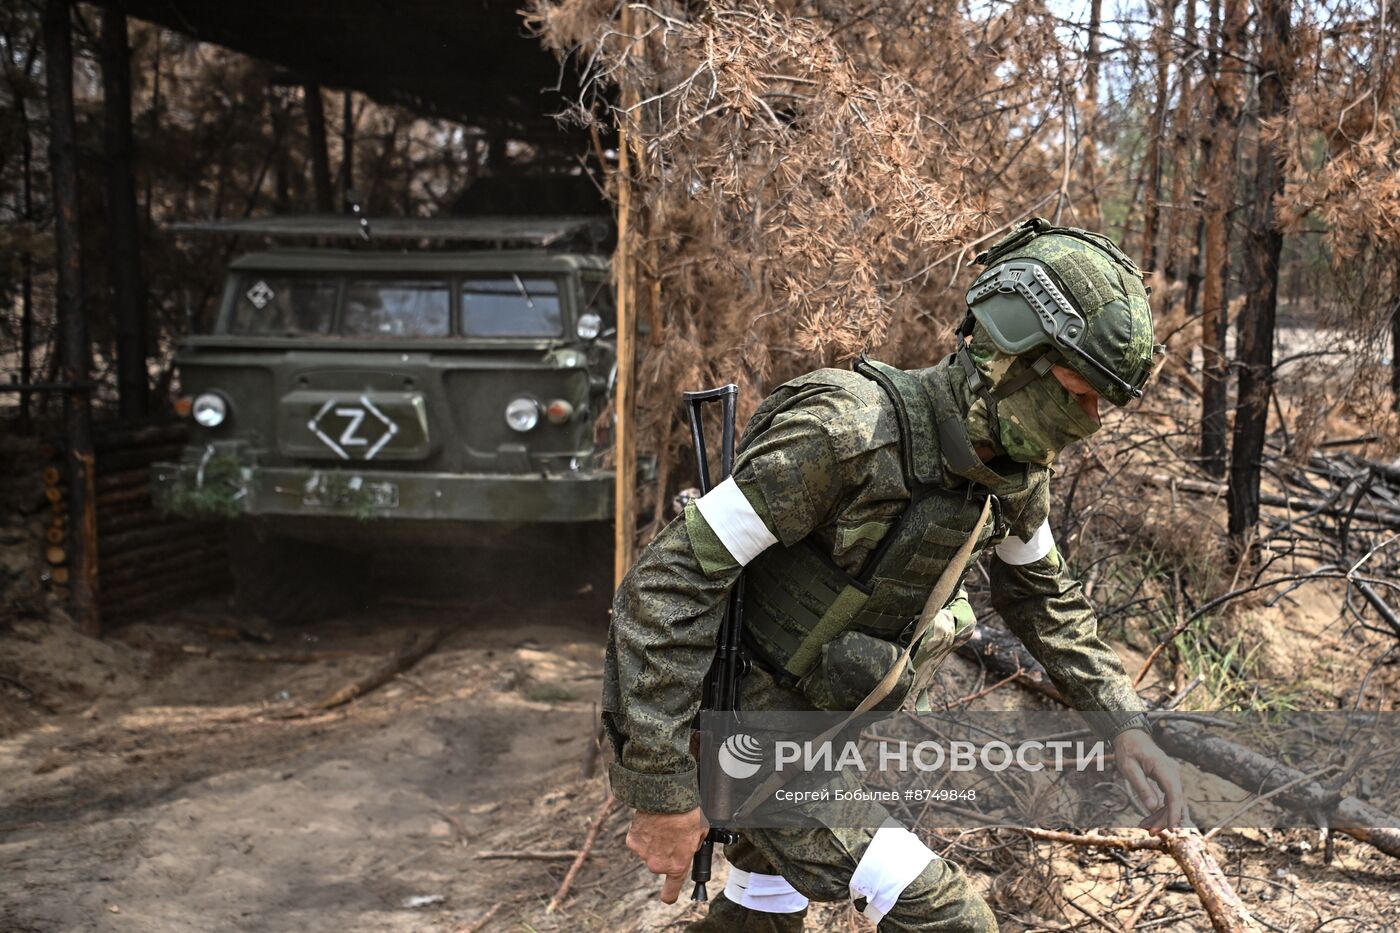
column 721, row 691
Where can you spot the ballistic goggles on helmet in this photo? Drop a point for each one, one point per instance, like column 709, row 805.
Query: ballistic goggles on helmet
column 1022, row 308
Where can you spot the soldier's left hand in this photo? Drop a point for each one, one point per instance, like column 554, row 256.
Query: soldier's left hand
column 1155, row 778
column 666, row 842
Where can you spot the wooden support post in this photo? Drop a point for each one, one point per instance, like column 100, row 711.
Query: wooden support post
column 73, row 348
column 127, row 288
column 624, row 441
column 316, row 137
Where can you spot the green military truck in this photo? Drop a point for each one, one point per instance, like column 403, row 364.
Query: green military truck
column 347, row 402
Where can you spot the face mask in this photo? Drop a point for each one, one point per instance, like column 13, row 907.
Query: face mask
column 1040, row 420
column 1033, row 424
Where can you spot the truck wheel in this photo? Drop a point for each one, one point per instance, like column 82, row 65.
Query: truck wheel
column 288, row 581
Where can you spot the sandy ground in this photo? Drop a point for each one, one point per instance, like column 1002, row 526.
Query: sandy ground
column 171, row 801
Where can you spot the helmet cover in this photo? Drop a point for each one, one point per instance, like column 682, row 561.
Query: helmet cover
column 1074, row 291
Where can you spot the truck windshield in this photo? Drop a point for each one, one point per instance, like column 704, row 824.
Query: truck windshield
column 283, row 306
column 511, row 306
column 399, row 308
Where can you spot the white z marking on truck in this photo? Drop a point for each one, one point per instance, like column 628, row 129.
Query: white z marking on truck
column 348, row 438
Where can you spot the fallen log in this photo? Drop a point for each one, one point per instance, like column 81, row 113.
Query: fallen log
column 1338, row 510
column 416, row 650
column 1260, row 774
column 1227, row 912
column 1387, row 471
column 1379, row 604
column 1003, row 653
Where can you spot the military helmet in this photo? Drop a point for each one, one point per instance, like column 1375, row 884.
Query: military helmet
column 1065, row 295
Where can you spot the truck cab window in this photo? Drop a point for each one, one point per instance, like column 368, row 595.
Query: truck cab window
column 511, row 306
column 283, row 306
column 398, row 308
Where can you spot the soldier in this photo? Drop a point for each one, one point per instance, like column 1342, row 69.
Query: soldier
column 850, row 494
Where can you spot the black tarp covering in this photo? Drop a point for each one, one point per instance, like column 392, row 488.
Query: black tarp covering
column 468, row 60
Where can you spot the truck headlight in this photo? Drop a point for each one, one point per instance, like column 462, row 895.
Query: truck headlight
column 590, row 326
column 209, row 409
column 523, row 414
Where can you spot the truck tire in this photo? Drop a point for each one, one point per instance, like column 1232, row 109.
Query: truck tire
column 289, row 582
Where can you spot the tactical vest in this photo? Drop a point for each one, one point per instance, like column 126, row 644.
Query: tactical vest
column 797, row 599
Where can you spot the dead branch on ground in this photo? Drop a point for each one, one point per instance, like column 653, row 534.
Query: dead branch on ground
column 588, row 842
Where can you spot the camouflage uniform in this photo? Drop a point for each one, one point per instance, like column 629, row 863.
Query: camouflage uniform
column 821, row 461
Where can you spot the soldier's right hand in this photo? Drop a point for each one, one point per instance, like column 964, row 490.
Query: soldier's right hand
column 667, row 843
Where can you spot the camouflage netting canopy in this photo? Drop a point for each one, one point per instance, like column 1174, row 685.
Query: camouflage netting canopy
column 810, row 180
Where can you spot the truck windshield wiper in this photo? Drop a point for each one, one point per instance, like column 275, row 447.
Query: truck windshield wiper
column 520, row 284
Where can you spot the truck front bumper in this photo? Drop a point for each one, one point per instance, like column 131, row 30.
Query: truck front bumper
column 296, row 492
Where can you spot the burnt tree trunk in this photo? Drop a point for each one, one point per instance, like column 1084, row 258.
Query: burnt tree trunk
column 70, row 314
column 1395, row 355
column 126, row 283
column 1161, row 38
column 1193, row 268
column 1262, row 246
column 1089, row 146
column 1178, row 247
column 17, row 73
column 1203, row 144
column 320, row 156
column 1227, row 50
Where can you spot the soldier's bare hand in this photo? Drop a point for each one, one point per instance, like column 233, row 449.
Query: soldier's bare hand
column 667, row 843
column 1154, row 777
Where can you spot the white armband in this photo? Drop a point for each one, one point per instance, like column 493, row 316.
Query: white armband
column 733, row 520
column 1018, row 551
column 894, row 858
column 769, row 894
